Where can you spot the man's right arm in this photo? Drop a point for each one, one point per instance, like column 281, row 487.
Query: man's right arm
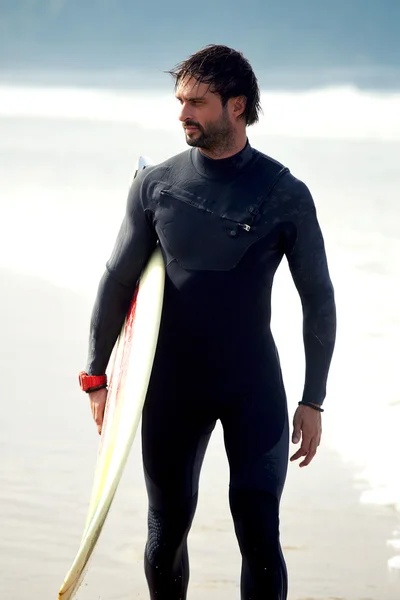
column 135, row 242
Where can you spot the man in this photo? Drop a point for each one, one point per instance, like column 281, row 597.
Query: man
column 224, row 215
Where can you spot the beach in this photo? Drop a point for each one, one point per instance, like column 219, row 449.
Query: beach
column 340, row 518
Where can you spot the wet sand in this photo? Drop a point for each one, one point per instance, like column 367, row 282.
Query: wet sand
column 335, row 547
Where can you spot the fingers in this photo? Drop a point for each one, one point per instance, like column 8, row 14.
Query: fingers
column 312, row 451
column 99, row 416
column 298, row 455
column 308, row 449
column 97, row 405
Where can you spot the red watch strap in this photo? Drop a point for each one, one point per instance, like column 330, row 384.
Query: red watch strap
column 87, row 382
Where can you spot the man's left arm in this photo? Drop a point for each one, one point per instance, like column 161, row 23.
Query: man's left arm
column 305, row 251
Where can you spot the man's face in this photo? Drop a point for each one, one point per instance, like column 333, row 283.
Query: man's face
column 207, row 123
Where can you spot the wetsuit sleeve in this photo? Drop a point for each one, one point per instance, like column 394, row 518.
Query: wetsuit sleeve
column 305, row 251
column 135, row 242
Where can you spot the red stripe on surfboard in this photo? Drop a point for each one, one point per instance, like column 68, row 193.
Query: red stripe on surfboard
column 117, row 382
column 128, row 335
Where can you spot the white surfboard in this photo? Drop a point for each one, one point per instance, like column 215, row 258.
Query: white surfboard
column 133, row 360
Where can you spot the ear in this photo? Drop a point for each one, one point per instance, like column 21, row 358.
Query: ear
column 238, row 106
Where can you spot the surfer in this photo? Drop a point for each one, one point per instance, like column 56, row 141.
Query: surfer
column 225, row 215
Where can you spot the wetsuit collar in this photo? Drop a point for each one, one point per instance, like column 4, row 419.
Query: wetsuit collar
column 224, row 167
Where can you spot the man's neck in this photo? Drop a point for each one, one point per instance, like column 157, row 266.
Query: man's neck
column 219, row 153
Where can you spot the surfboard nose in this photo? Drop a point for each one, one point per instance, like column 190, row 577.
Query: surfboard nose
column 143, row 162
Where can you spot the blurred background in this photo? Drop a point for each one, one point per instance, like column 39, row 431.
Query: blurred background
column 83, row 92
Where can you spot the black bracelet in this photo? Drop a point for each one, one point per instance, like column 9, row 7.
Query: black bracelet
column 94, row 389
column 314, row 406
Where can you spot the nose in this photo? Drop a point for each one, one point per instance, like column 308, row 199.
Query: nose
column 185, row 112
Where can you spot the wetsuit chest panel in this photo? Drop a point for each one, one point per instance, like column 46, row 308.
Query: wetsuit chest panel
column 200, row 233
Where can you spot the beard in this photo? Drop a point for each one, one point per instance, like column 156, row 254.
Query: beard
column 214, row 136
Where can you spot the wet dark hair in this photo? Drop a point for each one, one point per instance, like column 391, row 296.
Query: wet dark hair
column 228, row 73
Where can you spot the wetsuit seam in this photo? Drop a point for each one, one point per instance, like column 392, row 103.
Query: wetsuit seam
column 265, row 195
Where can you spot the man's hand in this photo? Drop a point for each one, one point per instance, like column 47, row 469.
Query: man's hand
column 307, row 427
column 97, row 404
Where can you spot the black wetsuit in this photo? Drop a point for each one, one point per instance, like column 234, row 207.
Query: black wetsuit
column 223, row 226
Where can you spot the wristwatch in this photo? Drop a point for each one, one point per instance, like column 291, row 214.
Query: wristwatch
column 91, row 383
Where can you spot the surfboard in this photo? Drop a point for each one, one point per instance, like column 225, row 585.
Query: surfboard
column 132, row 363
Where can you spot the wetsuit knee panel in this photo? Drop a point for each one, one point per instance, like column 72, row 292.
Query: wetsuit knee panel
column 167, row 531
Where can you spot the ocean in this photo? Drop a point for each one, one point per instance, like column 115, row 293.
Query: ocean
column 66, row 159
